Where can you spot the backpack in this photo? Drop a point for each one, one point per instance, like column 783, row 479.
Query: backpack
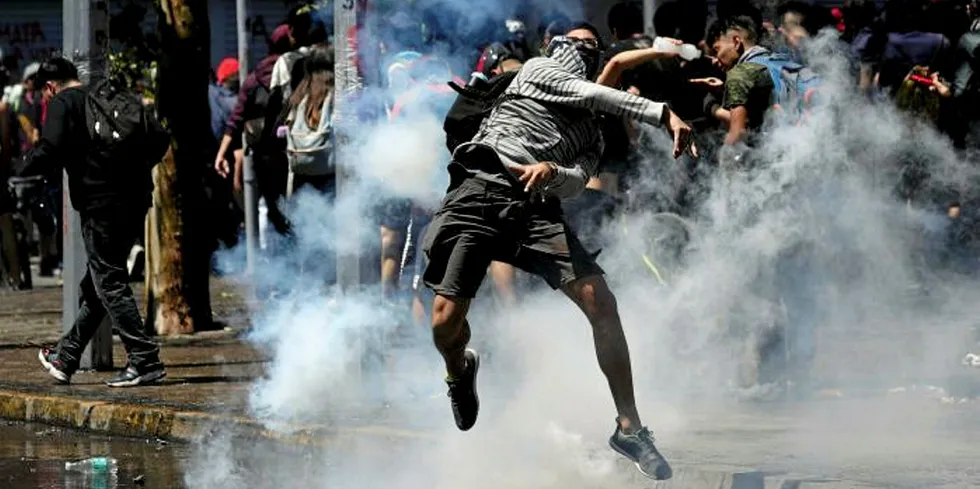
column 473, row 104
column 255, row 132
column 794, row 85
column 310, row 150
column 123, row 131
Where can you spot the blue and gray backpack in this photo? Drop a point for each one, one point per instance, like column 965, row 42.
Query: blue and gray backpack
column 795, row 86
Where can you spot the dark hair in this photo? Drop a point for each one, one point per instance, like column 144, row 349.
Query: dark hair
column 858, row 14
column 625, row 18
column 813, row 17
column 795, row 6
column 300, row 22
column 553, row 25
column 319, row 33
column 681, row 19
column 589, row 27
column 316, row 84
column 905, row 15
column 739, row 22
column 58, row 70
column 733, row 8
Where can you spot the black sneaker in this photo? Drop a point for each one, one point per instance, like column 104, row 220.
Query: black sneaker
column 56, row 368
column 131, row 378
column 462, row 393
column 639, row 448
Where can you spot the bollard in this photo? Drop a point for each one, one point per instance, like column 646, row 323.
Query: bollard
column 86, row 39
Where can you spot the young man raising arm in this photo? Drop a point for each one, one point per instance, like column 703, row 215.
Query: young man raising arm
column 541, row 143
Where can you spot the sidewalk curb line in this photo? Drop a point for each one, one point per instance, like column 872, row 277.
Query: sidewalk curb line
column 143, row 421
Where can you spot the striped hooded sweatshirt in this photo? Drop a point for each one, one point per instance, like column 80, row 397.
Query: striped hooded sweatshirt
column 548, row 113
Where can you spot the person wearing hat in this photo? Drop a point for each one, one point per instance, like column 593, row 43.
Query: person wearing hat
column 250, row 115
column 222, row 96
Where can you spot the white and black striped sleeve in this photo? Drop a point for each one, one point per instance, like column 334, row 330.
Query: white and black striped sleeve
column 570, row 180
column 561, row 87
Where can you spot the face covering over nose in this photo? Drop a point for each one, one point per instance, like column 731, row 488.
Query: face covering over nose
column 589, row 56
column 575, row 57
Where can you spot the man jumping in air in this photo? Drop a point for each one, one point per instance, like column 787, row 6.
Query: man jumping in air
column 541, row 143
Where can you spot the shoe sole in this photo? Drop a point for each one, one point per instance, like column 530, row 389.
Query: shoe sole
column 637, row 464
column 147, row 379
column 58, row 375
column 476, row 395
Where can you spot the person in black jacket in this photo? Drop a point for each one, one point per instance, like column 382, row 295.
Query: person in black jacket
column 112, row 205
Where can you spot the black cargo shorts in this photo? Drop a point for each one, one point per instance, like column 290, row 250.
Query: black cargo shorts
column 482, row 221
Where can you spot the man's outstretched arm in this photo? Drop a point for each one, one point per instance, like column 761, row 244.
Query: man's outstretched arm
column 553, row 85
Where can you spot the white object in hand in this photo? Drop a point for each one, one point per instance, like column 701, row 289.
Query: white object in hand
column 686, row 51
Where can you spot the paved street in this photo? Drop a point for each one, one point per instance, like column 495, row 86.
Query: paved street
column 908, row 439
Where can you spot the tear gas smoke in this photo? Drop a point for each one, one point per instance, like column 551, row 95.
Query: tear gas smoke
column 813, row 232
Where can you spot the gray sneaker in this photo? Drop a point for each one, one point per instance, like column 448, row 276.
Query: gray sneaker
column 462, row 393
column 639, row 447
column 131, row 378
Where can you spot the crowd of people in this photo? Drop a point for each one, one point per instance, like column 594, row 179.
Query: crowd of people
column 544, row 146
column 921, row 55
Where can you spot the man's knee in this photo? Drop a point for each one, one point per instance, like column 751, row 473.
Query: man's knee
column 594, row 297
column 448, row 312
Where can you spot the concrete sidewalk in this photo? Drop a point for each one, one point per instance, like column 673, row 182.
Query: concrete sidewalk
column 904, row 440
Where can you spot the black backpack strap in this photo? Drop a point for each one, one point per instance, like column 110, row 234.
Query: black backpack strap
column 458, row 89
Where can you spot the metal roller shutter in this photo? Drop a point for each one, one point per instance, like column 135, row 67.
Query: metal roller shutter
column 30, row 30
column 263, row 17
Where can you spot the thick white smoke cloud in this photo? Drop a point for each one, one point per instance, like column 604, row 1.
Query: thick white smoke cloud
column 408, row 159
column 822, row 191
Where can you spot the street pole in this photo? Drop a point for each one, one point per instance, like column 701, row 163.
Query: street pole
column 348, row 83
column 86, row 41
column 251, row 197
column 649, row 6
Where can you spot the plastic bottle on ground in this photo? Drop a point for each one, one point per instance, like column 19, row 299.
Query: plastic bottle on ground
column 94, row 466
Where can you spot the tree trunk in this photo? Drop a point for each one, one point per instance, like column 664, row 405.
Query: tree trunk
column 178, row 246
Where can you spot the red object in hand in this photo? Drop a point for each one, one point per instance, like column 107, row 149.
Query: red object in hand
column 838, row 15
column 922, row 80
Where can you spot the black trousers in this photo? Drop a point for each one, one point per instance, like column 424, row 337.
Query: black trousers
column 108, row 235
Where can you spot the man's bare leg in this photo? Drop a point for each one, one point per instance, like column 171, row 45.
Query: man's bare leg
column 391, row 254
column 451, row 331
column 504, row 275
column 451, row 334
column 630, row 439
column 593, row 296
